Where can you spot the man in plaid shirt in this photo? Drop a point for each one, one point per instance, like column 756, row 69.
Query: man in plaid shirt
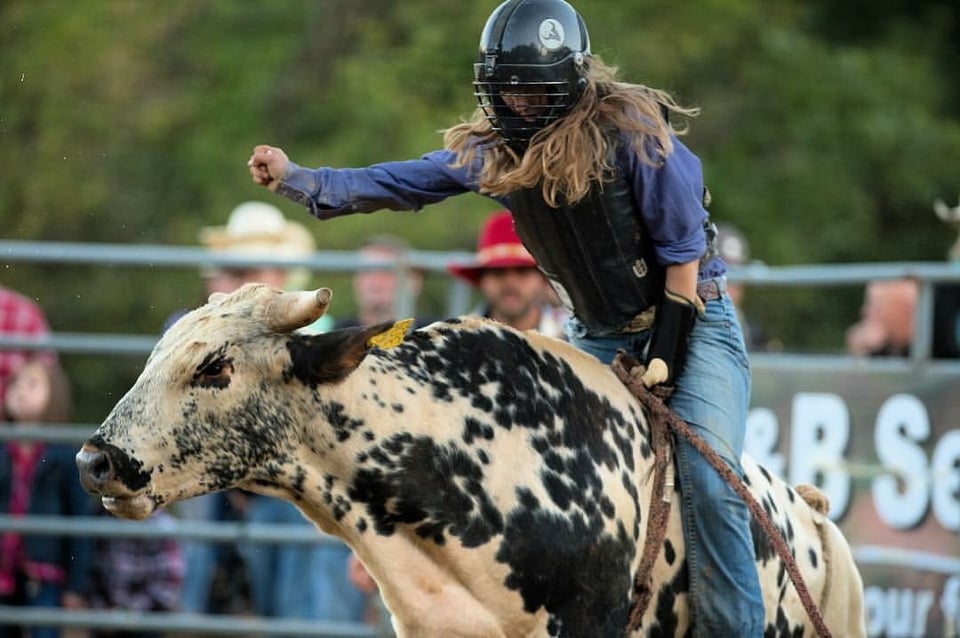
column 20, row 317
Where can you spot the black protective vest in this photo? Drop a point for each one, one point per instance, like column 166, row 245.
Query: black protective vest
column 595, row 253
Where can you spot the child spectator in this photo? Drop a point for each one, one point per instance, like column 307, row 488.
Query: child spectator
column 41, row 479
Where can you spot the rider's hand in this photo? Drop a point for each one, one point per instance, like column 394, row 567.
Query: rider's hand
column 668, row 345
column 268, row 165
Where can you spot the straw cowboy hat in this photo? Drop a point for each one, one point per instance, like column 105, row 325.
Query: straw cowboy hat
column 259, row 229
column 497, row 247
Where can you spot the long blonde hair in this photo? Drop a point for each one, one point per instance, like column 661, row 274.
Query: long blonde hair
column 574, row 151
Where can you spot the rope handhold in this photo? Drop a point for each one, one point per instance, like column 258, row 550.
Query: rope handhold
column 658, row 414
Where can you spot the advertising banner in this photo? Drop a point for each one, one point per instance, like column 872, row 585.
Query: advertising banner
column 882, row 440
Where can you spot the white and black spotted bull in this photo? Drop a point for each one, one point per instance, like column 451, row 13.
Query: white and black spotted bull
column 495, row 483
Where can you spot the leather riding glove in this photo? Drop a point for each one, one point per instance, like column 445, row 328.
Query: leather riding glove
column 668, row 345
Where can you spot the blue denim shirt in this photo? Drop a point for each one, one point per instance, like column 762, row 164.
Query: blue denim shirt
column 669, row 197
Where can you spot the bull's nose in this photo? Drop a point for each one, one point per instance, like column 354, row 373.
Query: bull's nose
column 95, row 468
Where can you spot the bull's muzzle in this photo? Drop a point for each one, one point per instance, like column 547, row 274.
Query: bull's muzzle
column 118, row 479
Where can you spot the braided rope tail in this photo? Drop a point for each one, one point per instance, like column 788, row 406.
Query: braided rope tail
column 658, row 409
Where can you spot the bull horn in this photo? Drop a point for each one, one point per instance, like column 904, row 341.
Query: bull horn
column 292, row 310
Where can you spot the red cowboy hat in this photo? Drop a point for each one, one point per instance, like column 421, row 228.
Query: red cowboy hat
column 497, row 247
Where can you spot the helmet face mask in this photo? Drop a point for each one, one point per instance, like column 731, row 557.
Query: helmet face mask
column 531, row 67
column 519, row 109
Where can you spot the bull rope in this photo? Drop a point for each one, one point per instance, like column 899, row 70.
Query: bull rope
column 660, row 414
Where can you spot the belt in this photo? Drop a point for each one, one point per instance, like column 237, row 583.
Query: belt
column 707, row 290
column 711, row 289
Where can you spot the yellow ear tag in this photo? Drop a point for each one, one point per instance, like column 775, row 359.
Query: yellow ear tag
column 392, row 336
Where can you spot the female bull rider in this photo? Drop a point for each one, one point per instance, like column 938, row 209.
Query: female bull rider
column 611, row 204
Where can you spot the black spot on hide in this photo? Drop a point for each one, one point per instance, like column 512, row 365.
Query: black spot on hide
column 128, row 471
column 669, row 551
column 570, row 567
column 437, row 489
column 665, row 599
column 781, row 628
column 343, row 425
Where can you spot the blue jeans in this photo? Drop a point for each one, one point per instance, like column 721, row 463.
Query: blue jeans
column 296, row 580
column 712, row 395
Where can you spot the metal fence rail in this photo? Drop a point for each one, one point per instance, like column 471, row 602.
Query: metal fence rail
column 333, row 261
column 224, row 532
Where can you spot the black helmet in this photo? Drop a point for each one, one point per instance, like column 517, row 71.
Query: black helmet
column 535, row 48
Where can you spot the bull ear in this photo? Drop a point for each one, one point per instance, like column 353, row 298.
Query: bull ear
column 330, row 357
column 292, row 310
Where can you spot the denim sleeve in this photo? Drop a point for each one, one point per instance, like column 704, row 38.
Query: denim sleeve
column 404, row 185
column 670, row 200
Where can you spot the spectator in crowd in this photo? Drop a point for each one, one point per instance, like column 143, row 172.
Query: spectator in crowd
column 258, row 229
column 733, row 247
column 19, row 317
column 255, row 229
column 40, row 479
column 514, row 290
column 886, row 319
column 376, row 290
column 137, row 574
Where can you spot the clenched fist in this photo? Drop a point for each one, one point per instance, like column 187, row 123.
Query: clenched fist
column 268, row 165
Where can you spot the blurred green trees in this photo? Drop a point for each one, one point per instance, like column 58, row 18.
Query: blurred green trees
column 827, row 129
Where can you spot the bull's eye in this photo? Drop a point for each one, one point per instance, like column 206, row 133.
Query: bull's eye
column 213, row 370
column 213, row 373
